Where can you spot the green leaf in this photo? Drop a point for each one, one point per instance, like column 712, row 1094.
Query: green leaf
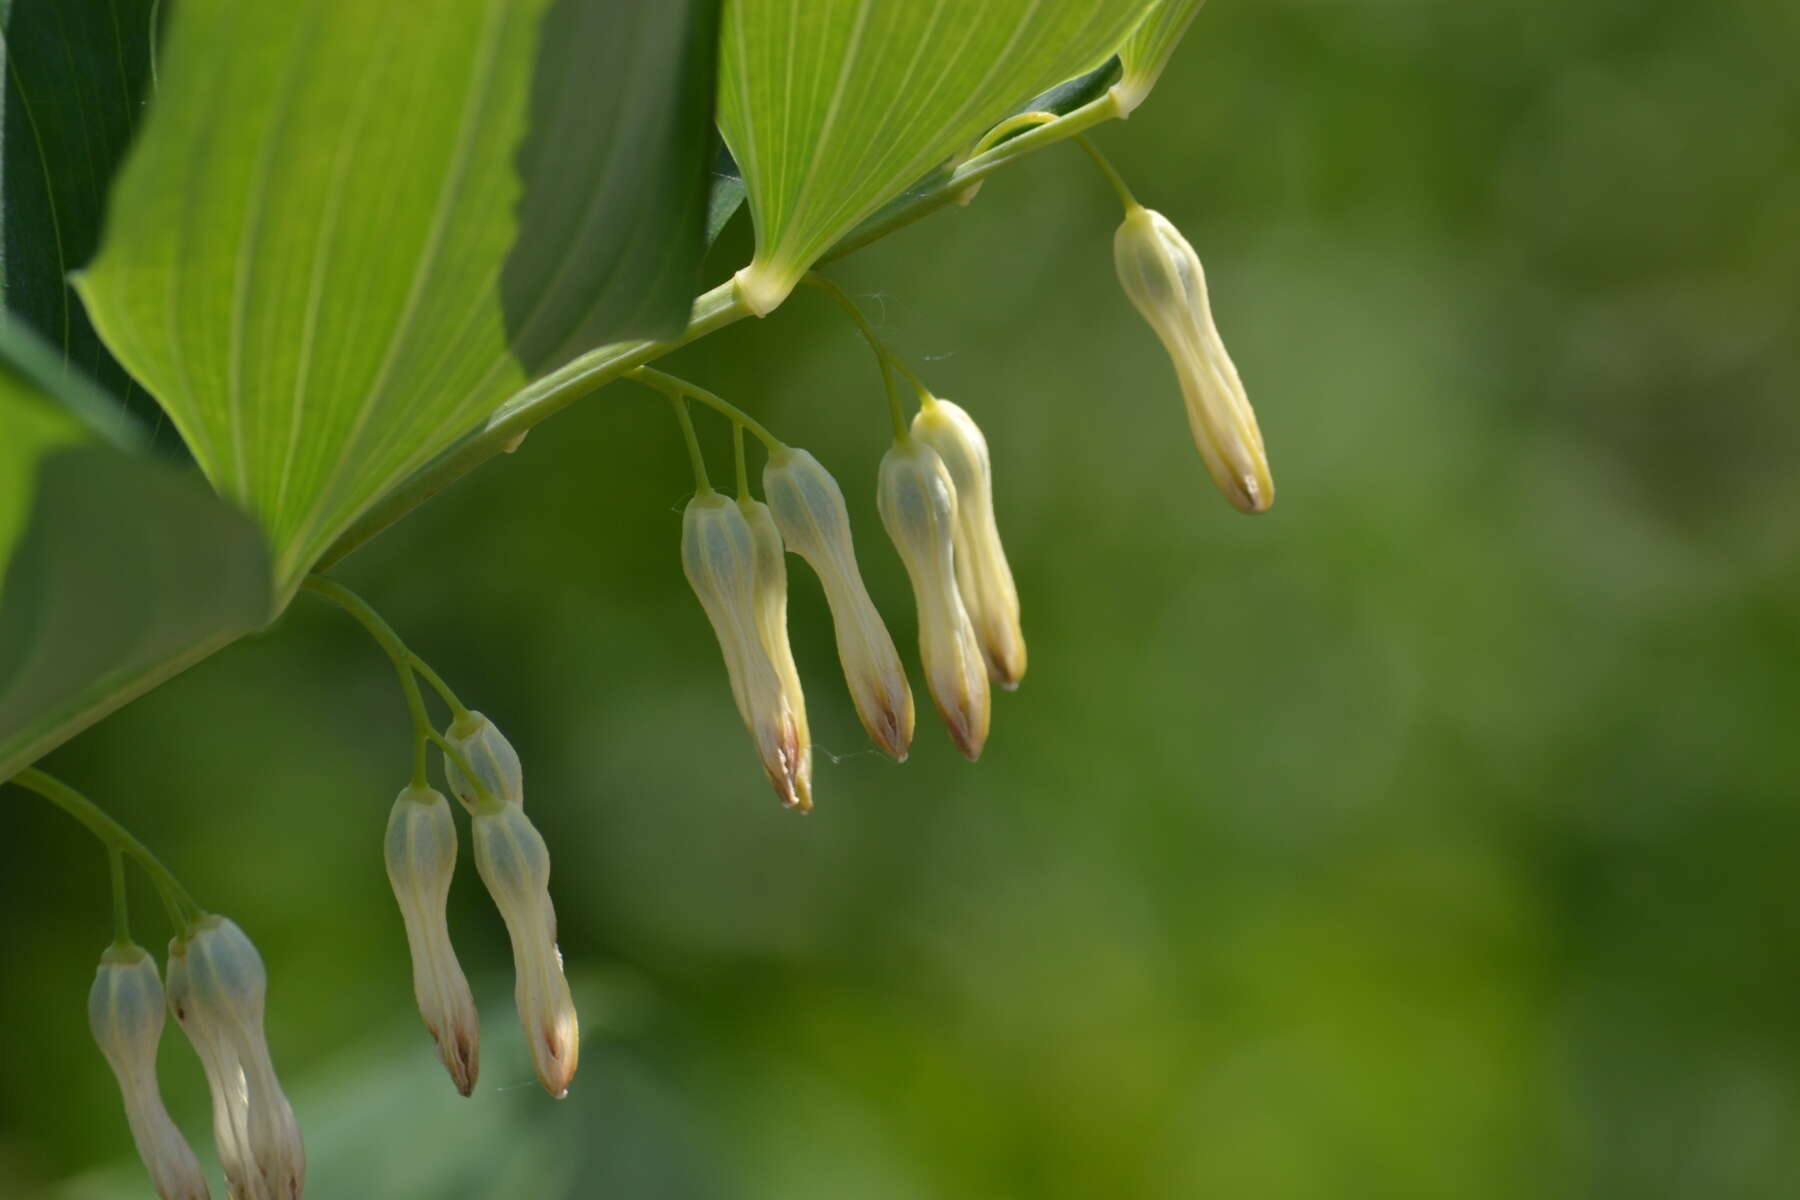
column 726, row 198
column 77, row 72
column 30, row 427
column 833, row 107
column 1070, row 95
column 1146, row 52
column 350, row 229
column 120, row 569
column 43, row 405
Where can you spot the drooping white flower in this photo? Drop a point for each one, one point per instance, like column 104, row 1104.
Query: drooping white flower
column 514, row 863
column 719, row 555
column 421, row 859
column 917, row 500
column 982, row 573
column 125, row 1011
column 771, row 625
column 1162, row 275
column 217, row 987
column 808, row 507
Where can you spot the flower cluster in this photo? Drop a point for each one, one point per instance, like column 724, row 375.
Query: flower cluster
column 919, row 506
column 935, row 497
column 731, row 553
column 485, row 775
column 936, row 501
column 216, row 989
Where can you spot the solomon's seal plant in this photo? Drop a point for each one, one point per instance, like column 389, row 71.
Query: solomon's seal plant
column 982, row 576
column 918, row 506
column 515, row 865
column 353, row 256
column 125, row 1011
column 813, row 520
column 1162, row 275
column 216, row 991
column 421, row 858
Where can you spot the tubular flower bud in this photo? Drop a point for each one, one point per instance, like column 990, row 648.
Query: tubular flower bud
column 216, row 989
column 983, row 577
column 1162, row 275
column 809, row 510
column 125, row 1011
column 491, row 757
column 719, row 556
column 515, row 865
column 421, row 858
column 771, row 626
column 918, row 506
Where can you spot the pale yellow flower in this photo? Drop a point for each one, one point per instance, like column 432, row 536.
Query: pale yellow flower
column 918, row 506
column 809, row 510
column 771, row 624
column 1162, row 275
column 514, row 863
column 982, row 572
column 719, row 554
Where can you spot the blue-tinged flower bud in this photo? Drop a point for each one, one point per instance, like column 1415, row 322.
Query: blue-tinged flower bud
column 918, row 506
column 771, row 626
column 981, row 571
column 515, row 865
column 216, row 990
column 491, row 757
column 809, row 509
column 421, row 858
column 125, row 1011
column 719, row 556
column 1162, row 275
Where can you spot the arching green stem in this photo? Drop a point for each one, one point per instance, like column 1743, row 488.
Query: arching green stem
column 912, row 377
column 973, row 170
column 1112, row 175
column 405, row 662
column 883, row 356
column 115, row 861
column 743, row 470
column 1012, row 125
column 702, row 484
column 674, row 385
column 181, row 907
column 397, row 652
column 457, row 710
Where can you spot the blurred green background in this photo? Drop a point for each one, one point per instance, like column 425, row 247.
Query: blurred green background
column 1432, row 836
